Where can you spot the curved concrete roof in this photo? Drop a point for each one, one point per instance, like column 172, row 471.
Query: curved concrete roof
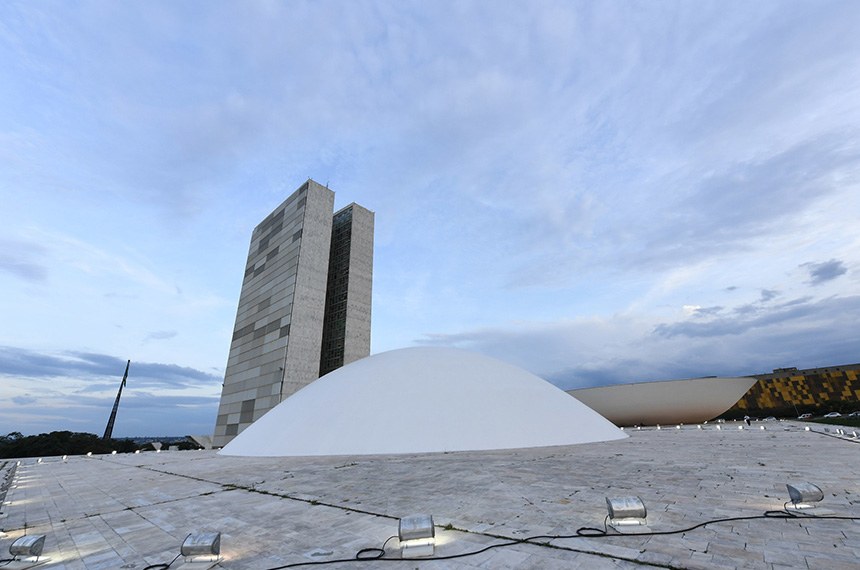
column 417, row 400
column 688, row 401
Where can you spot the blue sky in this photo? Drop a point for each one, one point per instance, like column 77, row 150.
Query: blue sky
column 600, row 192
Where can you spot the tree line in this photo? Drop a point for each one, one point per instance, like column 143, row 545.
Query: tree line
column 66, row 443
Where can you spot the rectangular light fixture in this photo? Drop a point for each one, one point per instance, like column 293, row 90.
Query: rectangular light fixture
column 201, row 544
column 804, row 494
column 417, row 536
column 28, row 545
column 624, row 511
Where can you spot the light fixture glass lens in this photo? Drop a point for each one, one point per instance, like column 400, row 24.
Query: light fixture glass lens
column 201, row 544
column 29, row 545
column 804, row 493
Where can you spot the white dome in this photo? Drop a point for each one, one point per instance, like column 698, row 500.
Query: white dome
column 418, row 400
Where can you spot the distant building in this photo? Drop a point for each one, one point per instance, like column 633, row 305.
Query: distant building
column 687, row 401
column 785, row 392
column 789, row 391
column 304, row 308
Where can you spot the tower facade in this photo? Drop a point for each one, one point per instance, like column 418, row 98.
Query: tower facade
column 304, row 308
column 346, row 324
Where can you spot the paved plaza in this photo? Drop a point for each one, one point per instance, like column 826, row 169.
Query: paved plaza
column 130, row 511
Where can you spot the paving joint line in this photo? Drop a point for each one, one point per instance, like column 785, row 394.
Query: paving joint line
column 314, row 502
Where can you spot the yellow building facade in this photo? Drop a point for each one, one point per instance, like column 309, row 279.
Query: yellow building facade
column 789, row 391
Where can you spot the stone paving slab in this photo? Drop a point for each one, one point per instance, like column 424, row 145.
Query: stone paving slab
column 128, row 511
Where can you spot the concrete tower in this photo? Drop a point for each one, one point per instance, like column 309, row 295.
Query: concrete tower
column 346, row 328
column 307, row 272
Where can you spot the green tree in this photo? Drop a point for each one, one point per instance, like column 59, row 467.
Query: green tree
column 60, row 443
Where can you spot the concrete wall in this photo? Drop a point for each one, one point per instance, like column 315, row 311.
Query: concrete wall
column 278, row 336
column 284, row 267
column 358, row 311
column 303, row 352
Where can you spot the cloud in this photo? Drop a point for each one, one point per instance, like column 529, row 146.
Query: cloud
column 707, row 311
column 139, row 413
column 77, row 390
column 161, row 335
column 768, row 294
column 586, row 170
column 23, row 269
column 745, row 199
column 825, row 271
column 18, row 258
column 23, row 400
column 87, row 365
column 751, row 318
column 630, row 348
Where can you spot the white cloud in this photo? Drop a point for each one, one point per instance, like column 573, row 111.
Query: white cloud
column 627, row 348
column 590, row 169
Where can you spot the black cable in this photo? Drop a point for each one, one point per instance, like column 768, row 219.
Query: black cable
column 377, row 553
column 363, row 555
column 372, row 553
column 322, row 562
column 592, row 531
column 582, row 532
column 766, row 515
column 162, row 565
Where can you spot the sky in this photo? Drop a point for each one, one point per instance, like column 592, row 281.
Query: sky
column 599, row 192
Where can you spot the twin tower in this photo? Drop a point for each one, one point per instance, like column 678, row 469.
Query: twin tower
column 304, row 309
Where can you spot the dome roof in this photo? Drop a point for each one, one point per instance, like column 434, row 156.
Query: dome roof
column 418, row 400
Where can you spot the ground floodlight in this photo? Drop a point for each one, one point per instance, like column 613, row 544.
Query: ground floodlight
column 417, row 536
column 201, row 544
column 804, row 494
column 28, row 545
column 624, row 511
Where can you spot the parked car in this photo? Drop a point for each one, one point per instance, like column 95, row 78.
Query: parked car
column 770, row 419
column 854, row 414
column 833, row 415
column 804, row 416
